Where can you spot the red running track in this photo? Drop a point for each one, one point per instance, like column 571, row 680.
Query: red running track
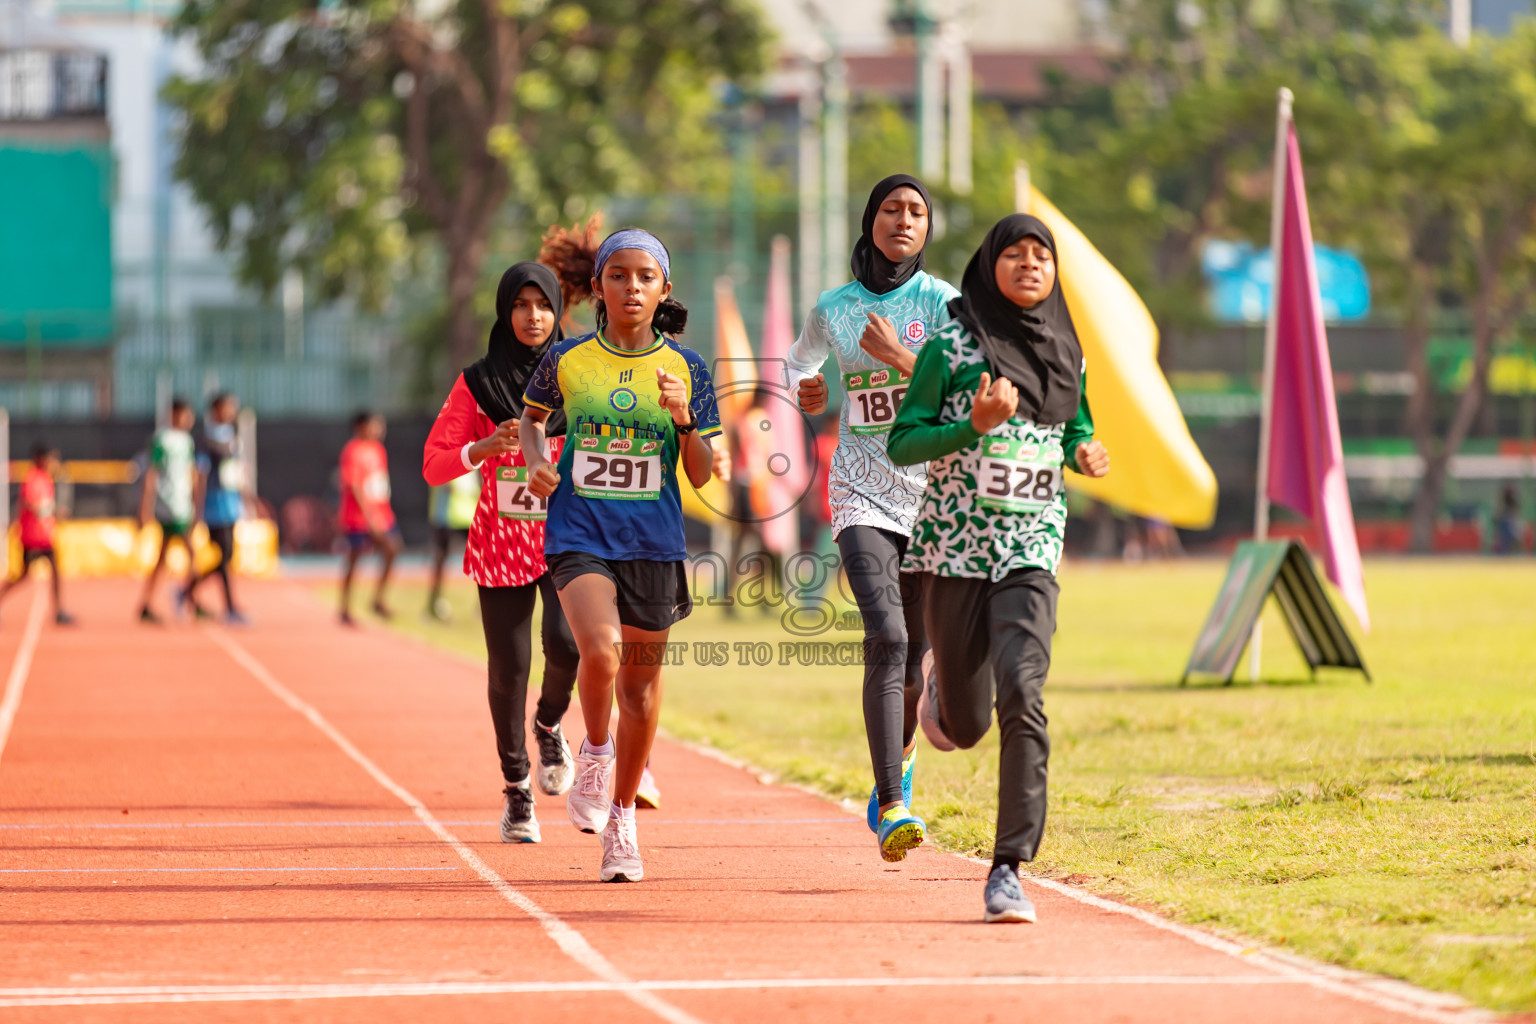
column 297, row 822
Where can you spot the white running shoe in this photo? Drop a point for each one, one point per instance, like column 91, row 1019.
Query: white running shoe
column 649, row 794
column 557, row 768
column 587, row 802
column 928, row 707
column 621, row 851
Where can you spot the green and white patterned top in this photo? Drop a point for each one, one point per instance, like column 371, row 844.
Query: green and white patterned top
column 174, row 456
column 960, row 530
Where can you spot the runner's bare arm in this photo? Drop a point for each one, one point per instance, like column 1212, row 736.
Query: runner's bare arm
column 542, row 478
column 698, row 459
column 147, row 502
column 722, row 458
column 199, row 488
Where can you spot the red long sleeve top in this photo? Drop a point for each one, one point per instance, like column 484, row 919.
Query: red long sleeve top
column 501, row 552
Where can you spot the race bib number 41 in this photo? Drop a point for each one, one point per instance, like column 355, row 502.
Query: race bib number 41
column 1018, row 475
column 513, row 498
column 620, row 468
column 874, row 397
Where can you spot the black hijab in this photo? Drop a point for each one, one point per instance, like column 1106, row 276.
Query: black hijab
column 498, row 379
column 871, row 267
column 1036, row 348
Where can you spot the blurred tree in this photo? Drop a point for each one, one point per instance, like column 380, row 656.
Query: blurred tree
column 1181, row 153
column 328, row 135
column 1432, row 180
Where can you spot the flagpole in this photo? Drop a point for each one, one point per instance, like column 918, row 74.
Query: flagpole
column 1271, row 335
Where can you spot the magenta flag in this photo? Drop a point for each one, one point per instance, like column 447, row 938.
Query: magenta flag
column 1306, row 458
column 789, row 475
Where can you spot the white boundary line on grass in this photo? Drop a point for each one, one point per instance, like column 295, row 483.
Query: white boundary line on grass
column 113, row 995
column 1373, row 990
column 571, row 942
column 16, row 682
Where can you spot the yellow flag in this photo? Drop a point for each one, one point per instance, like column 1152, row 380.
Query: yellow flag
column 1156, row 471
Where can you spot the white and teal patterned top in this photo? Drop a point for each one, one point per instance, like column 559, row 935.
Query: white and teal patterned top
column 956, row 533
column 864, row 487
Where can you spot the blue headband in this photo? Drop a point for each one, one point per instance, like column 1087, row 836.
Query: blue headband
column 632, row 238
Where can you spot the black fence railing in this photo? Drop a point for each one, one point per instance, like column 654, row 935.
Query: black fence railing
column 50, row 85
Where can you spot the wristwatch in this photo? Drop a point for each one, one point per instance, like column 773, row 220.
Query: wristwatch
column 684, row 429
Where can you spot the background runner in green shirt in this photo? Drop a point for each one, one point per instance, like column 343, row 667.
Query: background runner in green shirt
column 172, row 495
column 998, row 409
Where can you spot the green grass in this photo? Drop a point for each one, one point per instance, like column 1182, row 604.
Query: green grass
column 1387, row 827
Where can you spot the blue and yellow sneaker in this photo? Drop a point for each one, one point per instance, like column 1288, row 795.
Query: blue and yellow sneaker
column 872, row 814
column 899, row 832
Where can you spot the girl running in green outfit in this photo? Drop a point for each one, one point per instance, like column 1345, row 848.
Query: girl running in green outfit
column 998, row 408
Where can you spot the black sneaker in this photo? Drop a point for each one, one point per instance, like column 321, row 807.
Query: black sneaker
column 145, row 615
column 518, row 825
column 557, row 768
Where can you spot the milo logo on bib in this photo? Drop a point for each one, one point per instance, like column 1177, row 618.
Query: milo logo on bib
column 620, row 444
column 589, row 442
column 874, row 398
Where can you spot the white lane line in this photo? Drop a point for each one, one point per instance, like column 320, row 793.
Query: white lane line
column 1382, row 993
column 485, row 822
column 186, row 871
column 569, row 940
column 92, row 996
column 1370, row 989
column 17, row 680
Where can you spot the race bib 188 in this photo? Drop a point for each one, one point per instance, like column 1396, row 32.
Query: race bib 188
column 874, row 396
column 1018, row 475
column 616, row 468
column 513, row 498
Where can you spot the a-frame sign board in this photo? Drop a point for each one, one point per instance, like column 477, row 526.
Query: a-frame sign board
column 1259, row 568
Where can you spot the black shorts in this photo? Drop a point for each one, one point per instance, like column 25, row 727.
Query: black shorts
column 651, row 595
column 443, row 536
column 30, row 555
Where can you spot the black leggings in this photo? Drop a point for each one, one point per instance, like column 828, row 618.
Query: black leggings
column 507, row 615
column 890, row 602
column 223, row 538
column 992, row 647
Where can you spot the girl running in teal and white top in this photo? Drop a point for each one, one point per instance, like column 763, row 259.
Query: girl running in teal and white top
column 999, row 406
column 875, row 325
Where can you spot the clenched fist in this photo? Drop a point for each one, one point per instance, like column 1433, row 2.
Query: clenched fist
column 995, row 402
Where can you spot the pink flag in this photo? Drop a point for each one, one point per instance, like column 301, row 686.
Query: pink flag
column 1306, row 458
column 788, row 473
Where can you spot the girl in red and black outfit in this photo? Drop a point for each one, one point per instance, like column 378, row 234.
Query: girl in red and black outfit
column 477, row 429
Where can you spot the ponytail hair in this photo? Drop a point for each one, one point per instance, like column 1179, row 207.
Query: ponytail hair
column 572, row 254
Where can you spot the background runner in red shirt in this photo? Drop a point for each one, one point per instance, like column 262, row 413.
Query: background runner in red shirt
column 366, row 517
column 477, row 429
column 35, row 518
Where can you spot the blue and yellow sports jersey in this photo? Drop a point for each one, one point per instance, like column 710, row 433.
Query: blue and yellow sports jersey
column 618, row 496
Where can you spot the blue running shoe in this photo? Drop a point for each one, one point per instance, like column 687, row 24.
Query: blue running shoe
column 872, row 814
column 899, row 832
